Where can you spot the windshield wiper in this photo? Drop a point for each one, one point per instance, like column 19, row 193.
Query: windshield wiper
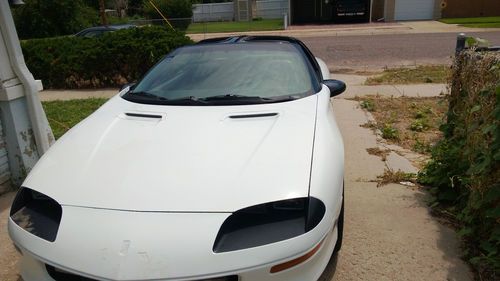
column 241, row 99
column 190, row 100
column 144, row 95
column 228, row 99
column 232, row 97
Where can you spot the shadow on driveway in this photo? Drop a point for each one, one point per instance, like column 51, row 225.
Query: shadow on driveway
column 330, row 269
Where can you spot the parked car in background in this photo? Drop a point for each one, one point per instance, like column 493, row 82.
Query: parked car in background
column 97, row 31
column 223, row 163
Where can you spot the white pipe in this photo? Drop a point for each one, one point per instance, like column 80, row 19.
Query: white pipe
column 41, row 129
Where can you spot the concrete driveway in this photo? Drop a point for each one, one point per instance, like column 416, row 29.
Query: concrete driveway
column 9, row 258
column 389, row 231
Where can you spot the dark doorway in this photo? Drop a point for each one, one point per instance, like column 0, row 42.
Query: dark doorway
column 304, row 11
column 329, row 11
column 312, row 11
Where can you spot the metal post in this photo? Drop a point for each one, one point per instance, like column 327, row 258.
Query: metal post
column 461, row 38
column 26, row 130
column 285, row 21
column 15, row 59
column 371, row 11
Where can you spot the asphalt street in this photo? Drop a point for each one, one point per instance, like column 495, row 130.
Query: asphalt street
column 374, row 52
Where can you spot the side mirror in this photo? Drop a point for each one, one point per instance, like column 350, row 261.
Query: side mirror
column 336, row 87
column 127, row 85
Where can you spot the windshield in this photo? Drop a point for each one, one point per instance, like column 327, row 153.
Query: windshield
column 245, row 72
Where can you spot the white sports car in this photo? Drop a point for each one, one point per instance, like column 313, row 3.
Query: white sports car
column 223, row 163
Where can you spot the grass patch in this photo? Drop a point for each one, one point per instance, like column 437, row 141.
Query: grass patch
column 368, row 105
column 389, row 132
column 63, row 115
column 412, row 123
column 480, row 22
column 236, row 26
column 419, row 75
column 483, row 25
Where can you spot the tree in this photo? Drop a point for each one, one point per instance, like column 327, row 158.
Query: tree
column 178, row 12
column 102, row 13
column 170, row 8
column 121, row 7
column 134, row 7
column 47, row 18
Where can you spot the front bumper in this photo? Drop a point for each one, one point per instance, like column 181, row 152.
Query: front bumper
column 117, row 245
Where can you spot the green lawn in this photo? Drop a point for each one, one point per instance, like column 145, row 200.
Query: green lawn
column 481, row 22
column 63, row 115
column 239, row 26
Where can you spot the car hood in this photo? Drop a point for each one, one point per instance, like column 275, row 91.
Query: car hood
column 129, row 156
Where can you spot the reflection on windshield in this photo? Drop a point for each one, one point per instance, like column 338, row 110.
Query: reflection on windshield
column 263, row 70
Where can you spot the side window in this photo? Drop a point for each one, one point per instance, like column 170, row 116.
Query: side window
column 313, row 61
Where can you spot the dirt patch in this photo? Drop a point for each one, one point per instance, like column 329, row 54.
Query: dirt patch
column 417, row 75
column 382, row 153
column 399, row 176
column 412, row 123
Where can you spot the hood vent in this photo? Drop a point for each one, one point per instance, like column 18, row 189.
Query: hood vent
column 142, row 115
column 257, row 115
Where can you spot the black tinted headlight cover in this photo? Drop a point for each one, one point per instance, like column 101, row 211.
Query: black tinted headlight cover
column 268, row 223
column 36, row 213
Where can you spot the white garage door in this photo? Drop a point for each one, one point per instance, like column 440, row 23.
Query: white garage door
column 414, row 10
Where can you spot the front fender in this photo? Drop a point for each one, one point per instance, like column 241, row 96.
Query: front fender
column 327, row 170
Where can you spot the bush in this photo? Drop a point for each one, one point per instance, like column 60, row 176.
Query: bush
column 169, row 8
column 419, row 125
column 368, row 105
column 389, row 132
column 178, row 12
column 110, row 60
column 465, row 167
column 48, row 18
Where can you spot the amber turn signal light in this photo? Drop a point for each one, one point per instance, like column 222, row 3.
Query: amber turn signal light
column 297, row 261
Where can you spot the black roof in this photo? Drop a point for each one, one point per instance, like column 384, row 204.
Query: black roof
column 247, row 38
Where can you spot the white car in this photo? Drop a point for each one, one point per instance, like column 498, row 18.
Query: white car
column 223, row 163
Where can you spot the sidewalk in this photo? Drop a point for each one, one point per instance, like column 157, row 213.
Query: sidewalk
column 406, row 27
column 50, row 95
column 355, row 87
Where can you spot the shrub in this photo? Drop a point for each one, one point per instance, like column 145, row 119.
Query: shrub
column 110, row 60
column 178, row 12
column 419, row 125
column 48, row 18
column 368, row 105
column 389, row 132
column 422, row 146
column 465, row 167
